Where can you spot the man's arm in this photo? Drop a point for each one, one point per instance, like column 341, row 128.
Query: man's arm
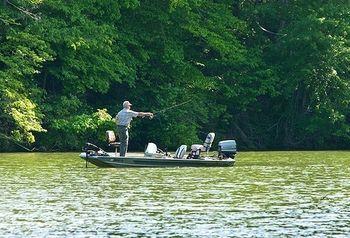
column 145, row 114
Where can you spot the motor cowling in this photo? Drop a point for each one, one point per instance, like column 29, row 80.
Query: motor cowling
column 227, row 148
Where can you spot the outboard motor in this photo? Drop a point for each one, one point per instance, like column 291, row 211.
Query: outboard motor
column 227, row 149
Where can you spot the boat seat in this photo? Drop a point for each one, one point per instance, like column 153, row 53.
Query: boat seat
column 151, row 150
column 180, row 152
column 112, row 140
column 206, row 145
column 208, row 141
column 196, row 149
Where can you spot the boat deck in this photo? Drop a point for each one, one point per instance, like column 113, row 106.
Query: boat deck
column 139, row 160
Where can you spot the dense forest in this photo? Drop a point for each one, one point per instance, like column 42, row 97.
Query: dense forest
column 273, row 74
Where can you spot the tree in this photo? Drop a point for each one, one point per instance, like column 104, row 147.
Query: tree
column 22, row 55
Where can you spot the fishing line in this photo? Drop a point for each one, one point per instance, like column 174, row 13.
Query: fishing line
column 15, row 142
column 186, row 118
column 168, row 108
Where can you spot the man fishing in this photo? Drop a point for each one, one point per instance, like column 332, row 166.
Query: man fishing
column 123, row 120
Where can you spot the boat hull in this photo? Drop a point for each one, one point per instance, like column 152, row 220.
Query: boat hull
column 139, row 161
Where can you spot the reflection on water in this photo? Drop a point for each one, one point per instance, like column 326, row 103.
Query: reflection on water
column 270, row 194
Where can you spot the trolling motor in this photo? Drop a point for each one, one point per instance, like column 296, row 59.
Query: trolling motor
column 93, row 150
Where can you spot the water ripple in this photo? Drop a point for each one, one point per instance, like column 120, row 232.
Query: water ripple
column 270, row 194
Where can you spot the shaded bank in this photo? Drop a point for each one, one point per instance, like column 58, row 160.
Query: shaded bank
column 271, row 74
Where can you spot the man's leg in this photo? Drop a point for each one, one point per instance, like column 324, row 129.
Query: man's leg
column 127, row 140
column 123, row 138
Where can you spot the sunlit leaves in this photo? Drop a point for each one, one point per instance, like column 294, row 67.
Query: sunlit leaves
column 250, row 68
column 22, row 55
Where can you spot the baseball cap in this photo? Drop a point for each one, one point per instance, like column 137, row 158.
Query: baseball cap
column 126, row 103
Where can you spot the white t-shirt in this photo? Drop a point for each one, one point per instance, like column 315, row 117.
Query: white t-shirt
column 125, row 116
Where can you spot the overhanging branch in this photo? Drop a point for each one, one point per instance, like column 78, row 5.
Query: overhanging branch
column 21, row 9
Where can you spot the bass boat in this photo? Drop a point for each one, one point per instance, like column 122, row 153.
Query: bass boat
column 154, row 157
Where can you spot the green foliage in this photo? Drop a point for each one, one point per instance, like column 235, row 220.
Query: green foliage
column 72, row 132
column 314, row 72
column 22, row 55
column 272, row 74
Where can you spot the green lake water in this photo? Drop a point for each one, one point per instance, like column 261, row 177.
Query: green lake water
column 266, row 194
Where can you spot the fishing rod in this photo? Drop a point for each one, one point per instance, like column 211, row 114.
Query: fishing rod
column 15, row 142
column 177, row 105
column 168, row 108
